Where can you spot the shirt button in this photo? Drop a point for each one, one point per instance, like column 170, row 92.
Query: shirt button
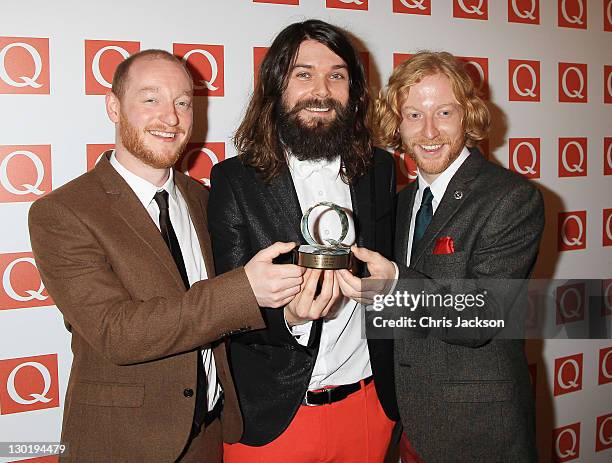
column 188, row 392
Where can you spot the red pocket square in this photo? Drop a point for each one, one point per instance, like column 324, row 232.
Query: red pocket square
column 444, row 245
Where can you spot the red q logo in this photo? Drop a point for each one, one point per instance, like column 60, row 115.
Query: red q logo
column 206, row 64
column 607, row 170
column 608, row 80
column 608, row 16
column 348, row 4
column 399, row 58
column 101, row 59
column 279, row 2
column 21, row 283
column 524, row 156
column 412, row 6
column 605, row 366
column 566, row 443
column 25, row 172
column 571, row 303
column 24, row 65
column 52, row 459
column 572, row 13
column 95, row 152
column 406, row 169
column 573, row 83
column 572, row 157
column 607, row 227
column 606, row 299
column 524, row 80
column 199, row 159
column 571, row 230
column 478, row 69
column 568, row 374
column 259, row 53
column 28, row 383
column 471, row 9
column 524, row 11
column 603, row 436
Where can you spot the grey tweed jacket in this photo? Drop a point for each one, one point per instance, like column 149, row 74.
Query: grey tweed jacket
column 470, row 400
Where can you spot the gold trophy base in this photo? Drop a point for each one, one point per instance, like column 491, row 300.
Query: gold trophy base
column 312, row 257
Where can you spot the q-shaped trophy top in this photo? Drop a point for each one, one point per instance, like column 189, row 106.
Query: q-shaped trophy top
column 331, row 243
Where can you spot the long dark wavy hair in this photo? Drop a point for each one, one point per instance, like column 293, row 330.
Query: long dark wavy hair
column 257, row 140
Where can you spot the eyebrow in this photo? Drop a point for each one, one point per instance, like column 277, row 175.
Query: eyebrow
column 156, row 90
column 310, row 66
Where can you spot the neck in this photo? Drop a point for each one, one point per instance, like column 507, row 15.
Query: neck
column 152, row 175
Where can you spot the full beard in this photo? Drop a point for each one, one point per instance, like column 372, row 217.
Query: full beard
column 133, row 142
column 320, row 140
column 434, row 166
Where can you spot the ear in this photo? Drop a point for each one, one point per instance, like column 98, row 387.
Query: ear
column 113, row 107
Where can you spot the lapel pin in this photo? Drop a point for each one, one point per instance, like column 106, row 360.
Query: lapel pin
column 458, row 194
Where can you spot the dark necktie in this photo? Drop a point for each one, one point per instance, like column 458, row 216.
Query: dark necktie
column 423, row 218
column 167, row 231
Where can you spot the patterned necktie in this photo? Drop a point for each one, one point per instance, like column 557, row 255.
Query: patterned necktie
column 167, row 231
column 423, row 218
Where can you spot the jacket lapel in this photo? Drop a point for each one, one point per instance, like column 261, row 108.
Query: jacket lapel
column 403, row 224
column 282, row 197
column 198, row 218
column 125, row 204
column 363, row 199
column 457, row 192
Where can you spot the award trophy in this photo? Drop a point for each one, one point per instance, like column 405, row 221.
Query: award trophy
column 331, row 255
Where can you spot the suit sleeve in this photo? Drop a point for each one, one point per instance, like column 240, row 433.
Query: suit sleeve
column 120, row 326
column 498, row 267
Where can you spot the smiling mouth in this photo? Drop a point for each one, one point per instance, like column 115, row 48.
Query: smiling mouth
column 430, row 148
column 162, row 134
column 318, row 109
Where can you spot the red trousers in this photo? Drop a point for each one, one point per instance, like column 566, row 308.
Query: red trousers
column 355, row 429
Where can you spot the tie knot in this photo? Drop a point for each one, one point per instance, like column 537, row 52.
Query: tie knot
column 161, row 198
column 427, row 196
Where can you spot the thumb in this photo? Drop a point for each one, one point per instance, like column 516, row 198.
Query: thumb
column 363, row 254
column 271, row 252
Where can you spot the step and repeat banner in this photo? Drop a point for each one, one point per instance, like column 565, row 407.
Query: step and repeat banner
column 545, row 68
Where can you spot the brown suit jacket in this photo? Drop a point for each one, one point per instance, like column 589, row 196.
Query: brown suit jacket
column 135, row 330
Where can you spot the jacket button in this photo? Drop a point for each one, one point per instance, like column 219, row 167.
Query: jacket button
column 188, row 392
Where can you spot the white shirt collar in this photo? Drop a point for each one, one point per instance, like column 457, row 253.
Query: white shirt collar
column 439, row 185
column 143, row 189
column 304, row 169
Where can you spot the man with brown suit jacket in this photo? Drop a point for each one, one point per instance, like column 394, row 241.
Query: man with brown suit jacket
column 148, row 378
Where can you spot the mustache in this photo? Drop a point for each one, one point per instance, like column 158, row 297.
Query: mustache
column 316, row 103
column 429, row 141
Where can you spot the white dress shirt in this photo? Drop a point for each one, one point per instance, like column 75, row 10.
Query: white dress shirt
column 438, row 188
column 188, row 241
column 343, row 356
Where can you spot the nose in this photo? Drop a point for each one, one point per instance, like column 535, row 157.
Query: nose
column 168, row 115
column 431, row 129
column 321, row 88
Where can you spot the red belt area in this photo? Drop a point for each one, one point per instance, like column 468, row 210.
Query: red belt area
column 333, row 394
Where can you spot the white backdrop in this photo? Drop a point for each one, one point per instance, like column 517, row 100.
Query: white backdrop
column 548, row 66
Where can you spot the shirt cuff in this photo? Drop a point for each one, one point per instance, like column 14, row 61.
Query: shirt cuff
column 301, row 333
